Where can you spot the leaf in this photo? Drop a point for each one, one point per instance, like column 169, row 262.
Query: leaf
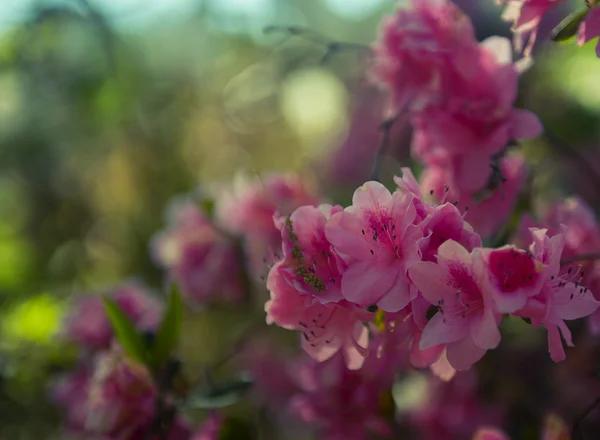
column 567, row 28
column 125, row 332
column 237, row 429
column 219, row 395
column 169, row 330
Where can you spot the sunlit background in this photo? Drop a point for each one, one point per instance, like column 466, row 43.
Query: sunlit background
column 108, row 108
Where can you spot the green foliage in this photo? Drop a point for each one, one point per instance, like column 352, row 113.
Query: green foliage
column 219, row 395
column 169, row 331
column 125, row 332
column 237, row 429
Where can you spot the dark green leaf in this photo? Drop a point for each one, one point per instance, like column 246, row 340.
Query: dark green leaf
column 219, row 395
column 169, row 331
column 125, row 332
column 237, row 429
column 568, row 27
column 208, row 206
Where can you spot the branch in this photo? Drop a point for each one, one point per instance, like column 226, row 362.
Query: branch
column 385, row 128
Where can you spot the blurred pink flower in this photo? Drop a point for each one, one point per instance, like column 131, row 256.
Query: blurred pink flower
column 554, row 429
column 246, row 210
column 87, row 325
column 466, row 319
column 210, row 429
column 305, row 290
column 377, row 239
column 590, row 29
column 198, row 257
column 69, row 392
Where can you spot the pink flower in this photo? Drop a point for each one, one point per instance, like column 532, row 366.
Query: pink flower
column 487, row 210
column 377, row 239
column 211, row 428
column 344, row 404
column 201, row 260
column 490, row 434
column 247, row 210
column 590, row 29
column 466, row 319
column 69, row 392
column 305, row 290
column 561, row 297
column 474, row 117
column 525, row 16
column 87, row 325
column 418, row 47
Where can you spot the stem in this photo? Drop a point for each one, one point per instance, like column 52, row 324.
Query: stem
column 385, row 128
column 581, row 257
column 576, row 431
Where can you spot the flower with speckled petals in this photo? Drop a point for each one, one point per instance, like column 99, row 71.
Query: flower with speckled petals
column 377, row 238
column 466, row 319
column 305, row 289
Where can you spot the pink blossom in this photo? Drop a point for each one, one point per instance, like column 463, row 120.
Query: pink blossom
column 87, row 325
column 305, row 290
column 69, row 392
column 377, row 239
column 344, row 404
column 562, row 297
column 246, row 210
column 487, row 210
column 200, row 259
column 474, row 117
column 525, row 16
column 210, row 429
column 590, row 29
column 466, row 319
column 418, row 47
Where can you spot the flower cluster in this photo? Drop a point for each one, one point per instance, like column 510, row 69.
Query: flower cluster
column 422, row 264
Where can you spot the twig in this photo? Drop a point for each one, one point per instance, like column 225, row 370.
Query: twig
column 581, row 257
column 385, row 128
column 576, row 432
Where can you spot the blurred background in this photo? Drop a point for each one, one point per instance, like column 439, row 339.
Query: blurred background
column 109, row 108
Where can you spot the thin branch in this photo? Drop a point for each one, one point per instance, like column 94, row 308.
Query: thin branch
column 576, row 431
column 581, row 257
column 385, row 128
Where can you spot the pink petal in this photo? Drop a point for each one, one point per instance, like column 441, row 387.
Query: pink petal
column 372, row 194
column 398, row 296
column 430, row 279
column 450, row 250
column 462, row 355
column 555, row 346
column 365, row 283
column 525, row 124
column 442, row 368
column 344, row 231
column 437, row 332
column 484, row 330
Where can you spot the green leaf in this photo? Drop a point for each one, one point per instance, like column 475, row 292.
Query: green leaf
column 170, row 329
column 219, row 395
column 567, row 28
column 234, row 428
column 125, row 332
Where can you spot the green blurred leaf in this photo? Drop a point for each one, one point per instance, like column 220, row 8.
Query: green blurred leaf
column 170, row 329
column 237, row 429
column 125, row 332
column 567, row 28
column 219, row 395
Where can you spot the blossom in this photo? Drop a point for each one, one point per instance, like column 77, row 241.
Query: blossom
column 200, row 259
column 466, row 319
column 87, row 324
column 418, row 47
column 246, row 210
column 69, row 392
column 589, row 28
column 561, row 297
column 377, row 239
column 305, row 289
column 344, row 403
column 525, row 16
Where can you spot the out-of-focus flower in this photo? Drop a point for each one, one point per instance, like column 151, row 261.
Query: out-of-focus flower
column 199, row 258
column 211, row 428
column 590, row 29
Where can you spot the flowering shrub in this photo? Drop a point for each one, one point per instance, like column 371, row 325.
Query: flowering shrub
column 421, row 275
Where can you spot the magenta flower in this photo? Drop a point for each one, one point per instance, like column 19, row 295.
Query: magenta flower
column 590, row 29
column 466, row 319
column 200, row 259
column 419, row 47
column 69, row 393
column 86, row 324
column 525, row 16
column 561, row 297
column 306, row 294
column 246, row 210
column 377, row 239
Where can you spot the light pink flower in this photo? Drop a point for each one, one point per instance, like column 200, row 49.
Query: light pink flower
column 525, row 16
column 246, row 210
column 475, row 116
column 418, row 47
column 377, row 239
column 590, row 28
column 466, row 319
column 87, row 325
column 200, row 259
column 562, row 297
column 305, row 290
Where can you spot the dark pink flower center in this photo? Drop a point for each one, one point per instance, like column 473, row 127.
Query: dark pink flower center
column 467, row 299
column 513, row 269
column 382, row 235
